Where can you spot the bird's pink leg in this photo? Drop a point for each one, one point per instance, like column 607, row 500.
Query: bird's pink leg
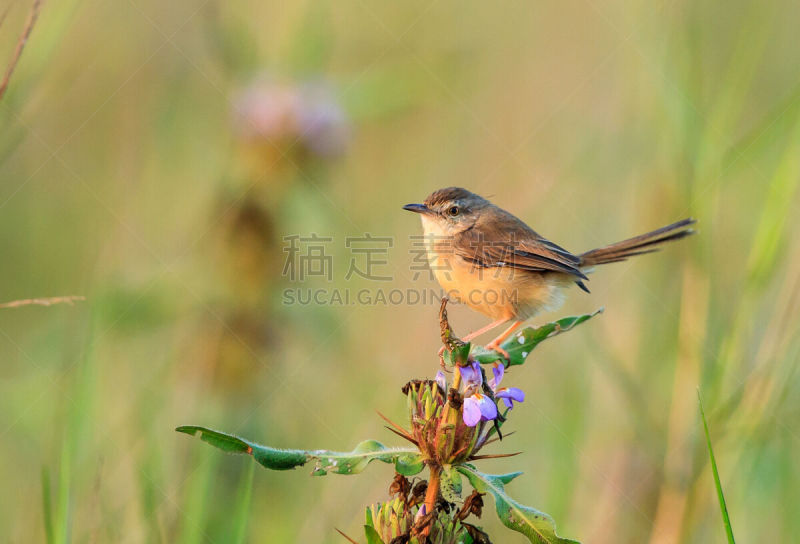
column 495, row 344
column 487, row 328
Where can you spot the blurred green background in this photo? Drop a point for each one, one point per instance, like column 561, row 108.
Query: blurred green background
column 128, row 175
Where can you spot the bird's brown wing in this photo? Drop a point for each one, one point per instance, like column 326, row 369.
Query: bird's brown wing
column 515, row 247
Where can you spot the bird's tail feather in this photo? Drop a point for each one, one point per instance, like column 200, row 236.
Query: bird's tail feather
column 638, row 245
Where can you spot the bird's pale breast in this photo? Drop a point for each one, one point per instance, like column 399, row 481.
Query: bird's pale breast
column 499, row 292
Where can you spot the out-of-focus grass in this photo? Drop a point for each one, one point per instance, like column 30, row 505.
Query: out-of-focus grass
column 592, row 121
column 47, row 507
column 241, row 510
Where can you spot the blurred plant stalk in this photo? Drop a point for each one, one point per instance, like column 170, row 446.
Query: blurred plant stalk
column 280, row 130
column 33, row 16
column 670, row 515
column 48, row 301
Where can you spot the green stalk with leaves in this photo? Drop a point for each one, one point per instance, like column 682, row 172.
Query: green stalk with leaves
column 450, row 424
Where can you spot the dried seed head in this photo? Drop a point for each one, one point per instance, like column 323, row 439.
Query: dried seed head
column 400, row 486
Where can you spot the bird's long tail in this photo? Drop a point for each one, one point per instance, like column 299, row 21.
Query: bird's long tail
column 638, row 245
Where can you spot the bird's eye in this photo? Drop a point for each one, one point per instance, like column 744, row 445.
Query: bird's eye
column 454, row 211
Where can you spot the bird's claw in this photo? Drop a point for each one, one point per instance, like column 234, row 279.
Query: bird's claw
column 496, row 347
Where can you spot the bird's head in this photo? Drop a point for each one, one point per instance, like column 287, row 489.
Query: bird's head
column 449, row 211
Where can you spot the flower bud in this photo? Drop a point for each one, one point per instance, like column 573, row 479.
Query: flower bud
column 389, row 521
column 395, row 523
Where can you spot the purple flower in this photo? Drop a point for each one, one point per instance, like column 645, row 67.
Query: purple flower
column 498, row 370
column 509, row 395
column 471, row 375
column 423, row 510
column 478, row 408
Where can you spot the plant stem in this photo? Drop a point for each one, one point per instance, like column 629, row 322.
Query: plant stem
column 447, row 424
column 446, row 416
column 432, row 494
column 456, row 379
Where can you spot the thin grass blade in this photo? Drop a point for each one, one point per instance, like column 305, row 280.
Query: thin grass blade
column 720, row 496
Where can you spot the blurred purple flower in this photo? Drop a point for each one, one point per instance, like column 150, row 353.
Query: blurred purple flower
column 266, row 110
column 477, row 408
column 322, row 122
column 308, row 116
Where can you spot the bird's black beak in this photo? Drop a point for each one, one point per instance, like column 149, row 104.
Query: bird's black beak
column 417, row 208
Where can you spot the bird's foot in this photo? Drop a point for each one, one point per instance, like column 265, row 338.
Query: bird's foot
column 495, row 346
column 441, row 357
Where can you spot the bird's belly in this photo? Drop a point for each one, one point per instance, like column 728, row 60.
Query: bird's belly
column 499, row 292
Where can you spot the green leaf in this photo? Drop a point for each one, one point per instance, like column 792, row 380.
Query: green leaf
column 450, row 483
column 368, row 517
column 409, row 464
column 720, row 497
column 407, row 461
column 372, row 535
column 522, row 343
column 537, row 526
column 461, row 354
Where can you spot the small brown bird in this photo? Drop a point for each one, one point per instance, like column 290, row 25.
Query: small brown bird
column 494, row 263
